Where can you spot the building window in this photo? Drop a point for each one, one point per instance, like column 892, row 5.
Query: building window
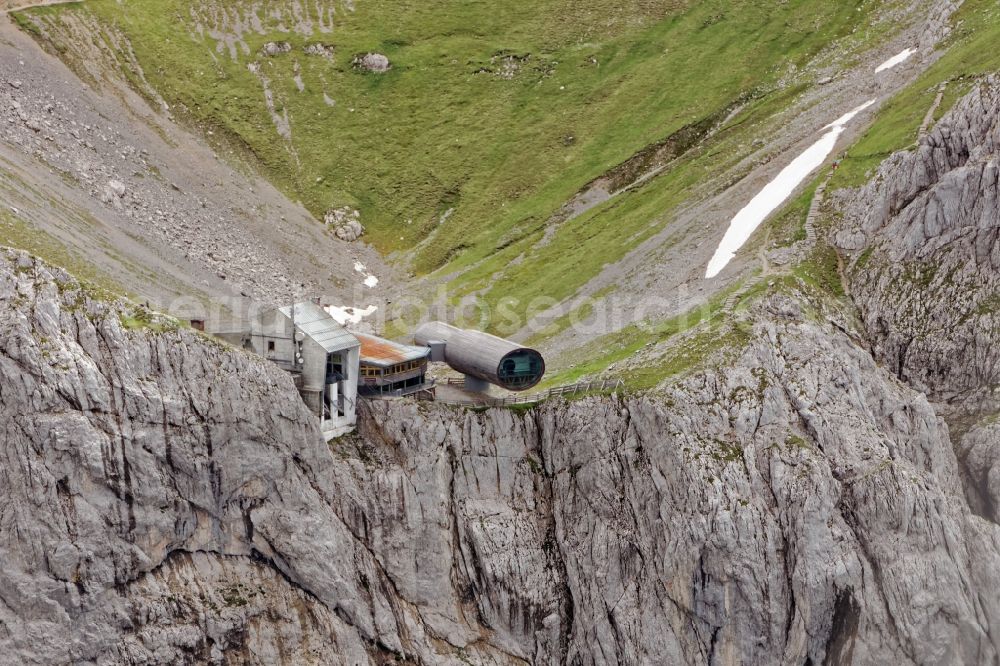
column 334, row 369
column 270, row 345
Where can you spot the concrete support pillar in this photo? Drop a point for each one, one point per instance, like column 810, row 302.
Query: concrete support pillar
column 476, row 385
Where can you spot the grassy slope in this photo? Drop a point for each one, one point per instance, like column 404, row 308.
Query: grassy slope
column 512, row 165
column 21, row 235
column 604, row 79
column 971, row 52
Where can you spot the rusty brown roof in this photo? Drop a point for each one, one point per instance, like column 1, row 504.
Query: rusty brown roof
column 384, row 353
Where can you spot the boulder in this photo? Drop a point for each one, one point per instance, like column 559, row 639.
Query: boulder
column 275, row 48
column 345, row 222
column 372, row 62
column 113, row 193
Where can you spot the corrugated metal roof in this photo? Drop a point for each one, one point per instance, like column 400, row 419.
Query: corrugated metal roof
column 384, row 353
column 320, row 327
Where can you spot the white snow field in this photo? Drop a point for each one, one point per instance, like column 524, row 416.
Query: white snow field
column 777, row 191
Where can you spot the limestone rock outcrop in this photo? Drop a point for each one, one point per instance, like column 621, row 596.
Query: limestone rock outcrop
column 345, row 223
column 372, row 62
column 169, row 499
column 801, row 507
column 146, row 475
column 926, row 276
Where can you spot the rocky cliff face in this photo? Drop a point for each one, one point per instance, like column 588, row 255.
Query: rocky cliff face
column 925, row 235
column 142, row 503
column 802, row 507
column 923, row 241
column 170, row 500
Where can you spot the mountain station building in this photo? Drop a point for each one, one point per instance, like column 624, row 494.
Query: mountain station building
column 321, row 355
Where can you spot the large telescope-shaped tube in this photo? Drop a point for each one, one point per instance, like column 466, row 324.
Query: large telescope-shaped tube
column 483, row 356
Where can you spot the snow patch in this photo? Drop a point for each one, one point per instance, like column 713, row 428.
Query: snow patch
column 370, row 280
column 849, row 116
column 777, row 191
column 897, row 59
column 345, row 315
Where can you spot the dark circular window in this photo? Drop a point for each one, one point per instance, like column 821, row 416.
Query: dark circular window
column 521, row 369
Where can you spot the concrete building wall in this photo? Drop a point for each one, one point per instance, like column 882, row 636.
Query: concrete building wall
column 313, row 365
column 349, row 387
column 355, row 363
column 342, row 395
column 277, row 329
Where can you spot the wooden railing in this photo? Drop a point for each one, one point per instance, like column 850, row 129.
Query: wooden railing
column 534, row 398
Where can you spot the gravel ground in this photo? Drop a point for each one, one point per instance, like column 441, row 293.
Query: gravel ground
column 133, row 193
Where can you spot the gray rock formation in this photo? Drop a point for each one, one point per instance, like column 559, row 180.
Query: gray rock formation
column 271, row 49
column 345, row 223
column 169, row 500
column 979, row 451
column 802, row 506
column 114, row 192
column 372, row 62
column 321, row 50
column 139, row 500
column 927, row 284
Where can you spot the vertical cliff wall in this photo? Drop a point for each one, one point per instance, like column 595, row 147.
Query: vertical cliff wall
column 803, row 506
column 170, row 500
column 160, row 494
